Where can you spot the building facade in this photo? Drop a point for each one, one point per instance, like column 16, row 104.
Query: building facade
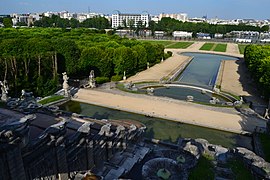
column 127, row 20
column 180, row 16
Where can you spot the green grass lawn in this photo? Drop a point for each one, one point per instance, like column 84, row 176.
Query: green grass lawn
column 51, row 99
column 180, row 45
column 220, row 47
column 241, row 48
column 164, row 43
column 207, row 46
column 265, row 141
column 203, row 170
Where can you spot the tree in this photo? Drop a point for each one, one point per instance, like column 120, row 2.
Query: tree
column 7, row 22
column 141, row 57
column 21, row 24
column 124, row 60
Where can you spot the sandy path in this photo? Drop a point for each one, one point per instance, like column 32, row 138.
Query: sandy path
column 231, row 79
column 195, row 46
column 236, row 80
column 156, row 72
column 169, row 109
column 232, row 48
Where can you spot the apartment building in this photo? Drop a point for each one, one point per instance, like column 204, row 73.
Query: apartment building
column 121, row 20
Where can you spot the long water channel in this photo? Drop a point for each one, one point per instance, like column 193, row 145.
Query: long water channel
column 160, row 128
column 202, row 71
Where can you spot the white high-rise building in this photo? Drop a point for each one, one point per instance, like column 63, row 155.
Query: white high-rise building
column 122, row 20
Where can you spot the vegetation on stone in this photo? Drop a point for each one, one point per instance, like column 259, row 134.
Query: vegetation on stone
column 204, row 169
column 264, row 138
column 239, row 170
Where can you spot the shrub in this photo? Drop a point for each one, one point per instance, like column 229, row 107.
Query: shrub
column 169, row 53
column 116, row 78
column 101, row 80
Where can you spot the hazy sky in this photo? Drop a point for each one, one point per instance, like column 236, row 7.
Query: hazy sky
column 226, row 9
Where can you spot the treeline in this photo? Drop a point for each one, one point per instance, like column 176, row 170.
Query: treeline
column 56, row 21
column 33, row 59
column 257, row 58
column 169, row 25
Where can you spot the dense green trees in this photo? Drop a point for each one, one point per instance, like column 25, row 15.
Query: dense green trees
column 257, row 58
column 7, row 22
column 56, row 21
column 169, row 25
column 33, row 59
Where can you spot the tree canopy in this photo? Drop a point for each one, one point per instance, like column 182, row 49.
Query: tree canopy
column 257, row 58
column 33, row 59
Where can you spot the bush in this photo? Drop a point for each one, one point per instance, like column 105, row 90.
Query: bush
column 116, row 78
column 101, row 80
column 169, row 53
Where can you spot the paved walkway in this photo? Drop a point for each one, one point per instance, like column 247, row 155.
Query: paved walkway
column 158, row 71
column 232, row 48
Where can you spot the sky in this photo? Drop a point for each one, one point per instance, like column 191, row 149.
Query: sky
column 223, row 9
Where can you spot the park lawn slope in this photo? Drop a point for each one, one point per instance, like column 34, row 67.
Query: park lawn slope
column 241, row 48
column 207, row 46
column 180, row 45
column 164, row 43
column 51, row 99
column 221, row 48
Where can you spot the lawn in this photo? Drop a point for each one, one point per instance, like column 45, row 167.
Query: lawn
column 204, row 169
column 265, row 141
column 220, row 47
column 207, row 46
column 241, row 48
column 164, row 43
column 51, row 99
column 180, row 45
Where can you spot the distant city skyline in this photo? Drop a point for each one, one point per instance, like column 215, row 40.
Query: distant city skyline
column 223, row 9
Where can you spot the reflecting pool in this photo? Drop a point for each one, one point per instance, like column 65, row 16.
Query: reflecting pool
column 202, row 70
column 160, row 128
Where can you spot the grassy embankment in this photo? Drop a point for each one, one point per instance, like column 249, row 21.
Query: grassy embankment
column 207, row 46
column 51, row 99
column 170, row 44
column 241, row 48
column 180, row 45
column 164, row 43
column 220, row 48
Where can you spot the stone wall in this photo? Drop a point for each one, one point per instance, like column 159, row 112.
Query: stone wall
column 62, row 149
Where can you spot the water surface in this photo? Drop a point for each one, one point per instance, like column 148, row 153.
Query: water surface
column 202, row 70
column 160, row 128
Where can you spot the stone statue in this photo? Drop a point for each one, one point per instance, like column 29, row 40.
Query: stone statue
column 124, row 77
column 92, row 81
column 147, row 65
column 65, row 84
column 4, row 89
